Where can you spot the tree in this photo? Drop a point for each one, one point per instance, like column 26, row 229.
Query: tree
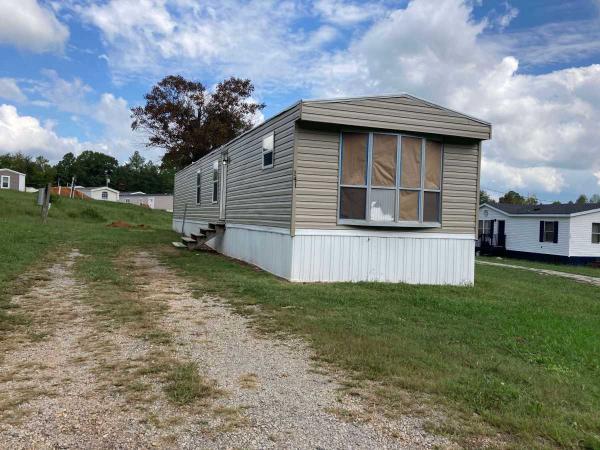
column 582, row 199
column 65, row 169
column 484, row 197
column 514, row 198
column 181, row 117
column 38, row 171
column 141, row 175
column 92, row 168
column 595, row 198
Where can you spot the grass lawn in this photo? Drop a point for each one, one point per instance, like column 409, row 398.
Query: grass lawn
column 519, row 351
column 581, row 270
column 24, row 240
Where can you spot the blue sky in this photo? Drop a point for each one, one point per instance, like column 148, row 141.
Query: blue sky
column 70, row 70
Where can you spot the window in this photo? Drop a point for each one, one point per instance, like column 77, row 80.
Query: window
column 485, row 227
column 127, row 200
column 268, row 146
column 388, row 178
column 198, row 189
column 5, row 182
column 104, row 195
column 215, row 182
column 596, row 233
column 548, row 231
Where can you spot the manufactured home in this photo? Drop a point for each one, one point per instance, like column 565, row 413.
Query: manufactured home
column 152, row 201
column 11, row 179
column 359, row 189
column 99, row 193
column 560, row 233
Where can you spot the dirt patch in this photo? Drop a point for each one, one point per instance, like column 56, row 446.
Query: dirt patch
column 123, row 224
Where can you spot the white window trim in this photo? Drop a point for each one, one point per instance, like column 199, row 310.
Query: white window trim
column 594, row 233
column 215, row 183
column 102, row 195
column 398, row 187
column 2, row 178
column 272, row 151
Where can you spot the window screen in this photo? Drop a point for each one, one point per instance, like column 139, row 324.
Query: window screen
column 411, row 162
column 383, row 172
column 268, row 147
column 409, row 206
column 352, row 203
column 596, row 233
column 433, row 165
column 354, row 158
column 198, row 188
column 382, row 204
column 431, row 207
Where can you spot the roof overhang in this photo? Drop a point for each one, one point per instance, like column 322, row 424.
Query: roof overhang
column 13, row 171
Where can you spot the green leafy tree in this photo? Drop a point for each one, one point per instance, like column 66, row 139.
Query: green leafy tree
column 484, row 197
column 181, row 117
column 595, row 198
column 91, row 168
column 38, row 172
column 65, row 169
column 582, row 199
column 514, row 198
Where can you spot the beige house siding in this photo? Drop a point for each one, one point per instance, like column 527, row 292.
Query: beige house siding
column 255, row 196
column 316, row 191
column 14, row 178
column 402, row 113
column 185, row 191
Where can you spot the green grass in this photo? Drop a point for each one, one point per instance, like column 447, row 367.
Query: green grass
column 71, row 224
column 186, row 385
column 581, row 270
column 519, row 350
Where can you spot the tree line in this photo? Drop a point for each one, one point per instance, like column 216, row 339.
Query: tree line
column 514, row 198
column 92, row 169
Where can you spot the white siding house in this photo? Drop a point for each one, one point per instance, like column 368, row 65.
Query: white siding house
column 559, row 233
column 100, row 193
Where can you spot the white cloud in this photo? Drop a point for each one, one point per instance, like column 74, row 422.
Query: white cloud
column 341, row 12
column 28, row 25
column 9, row 90
column 542, row 124
column 66, row 96
column 597, row 175
column 26, row 134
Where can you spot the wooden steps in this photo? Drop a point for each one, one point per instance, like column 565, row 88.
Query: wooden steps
column 178, row 245
column 197, row 241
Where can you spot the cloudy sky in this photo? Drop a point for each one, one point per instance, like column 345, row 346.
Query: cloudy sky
column 70, row 70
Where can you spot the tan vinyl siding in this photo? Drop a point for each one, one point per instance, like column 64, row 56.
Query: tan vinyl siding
column 255, row 196
column 406, row 114
column 14, row 179
column 316, row 190
column 185, row 191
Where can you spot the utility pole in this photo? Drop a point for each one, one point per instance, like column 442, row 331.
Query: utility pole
column 46, row 204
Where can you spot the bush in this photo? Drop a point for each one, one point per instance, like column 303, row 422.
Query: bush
column 89, row 213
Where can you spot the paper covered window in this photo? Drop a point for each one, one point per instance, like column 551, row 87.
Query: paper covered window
column 390, row 179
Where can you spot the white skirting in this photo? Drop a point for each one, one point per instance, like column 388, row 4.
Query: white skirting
column 348, row 255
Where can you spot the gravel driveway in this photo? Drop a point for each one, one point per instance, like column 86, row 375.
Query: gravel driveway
column 271, row 393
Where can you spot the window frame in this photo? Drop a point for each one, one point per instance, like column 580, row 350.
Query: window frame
column 104, row 195
column 596, row 233
column 198, row 187
column 272, row 151
column 397, row 188
column 2, row 178
column 482, row 226
column 215, row 182
column 551, row 241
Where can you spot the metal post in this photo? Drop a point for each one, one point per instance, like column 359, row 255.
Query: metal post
column 46, row 205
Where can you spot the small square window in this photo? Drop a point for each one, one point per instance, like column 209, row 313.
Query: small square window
column 104, row 195
column 268, row 148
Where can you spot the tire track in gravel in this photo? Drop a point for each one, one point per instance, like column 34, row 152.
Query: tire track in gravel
column 275, row 397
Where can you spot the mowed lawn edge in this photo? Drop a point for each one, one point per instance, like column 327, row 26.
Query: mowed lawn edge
column 567, row 268
column 518, row 350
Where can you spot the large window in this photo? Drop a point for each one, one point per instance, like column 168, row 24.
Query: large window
column 5, row 182
column 486, row 227
column 215, row 182
column 198, row 188
column 389, row 178
column 596, row 233
column 268, row 147
column 548, row 231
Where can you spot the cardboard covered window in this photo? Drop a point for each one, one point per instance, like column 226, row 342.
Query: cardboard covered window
column 409, row 206
column 383, row 172
column 411, row 162
column 354, row 158
column 353, row 202
column 433, row 165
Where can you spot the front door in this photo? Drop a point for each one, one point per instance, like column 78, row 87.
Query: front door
column 223, row 186
column 501, row 235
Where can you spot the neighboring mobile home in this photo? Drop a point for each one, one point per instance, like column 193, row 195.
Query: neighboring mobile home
column 11, row 179
column 99, row 193
column 374, row 188
column 557, row 233
column 152, row 201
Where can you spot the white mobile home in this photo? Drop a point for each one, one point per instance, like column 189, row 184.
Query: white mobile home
column 567, row 233
column 11, row 179
column 373, row 188
column 99, row 193
column 152, row 201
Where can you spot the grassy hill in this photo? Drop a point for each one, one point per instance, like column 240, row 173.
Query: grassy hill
column 24, row 240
